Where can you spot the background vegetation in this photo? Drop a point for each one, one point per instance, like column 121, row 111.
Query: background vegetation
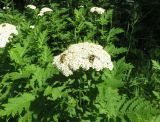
column 32, row 90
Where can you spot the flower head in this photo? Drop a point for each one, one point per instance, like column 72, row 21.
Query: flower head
column 83, row 55
column 5, row 7
column 97, row 9
column 32, row 26
column 44, row 10
column 6, row 30
column 31, row 6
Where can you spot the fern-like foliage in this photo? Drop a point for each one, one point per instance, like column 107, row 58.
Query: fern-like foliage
column 17, row 105
column 138, row 110
column 114, row 51
column 26, row 118
column 156, row 72
column 113, row 106
column 156, row 118
column 116, row 78
column 55, row 93
column 112, row 34
column 156, row 65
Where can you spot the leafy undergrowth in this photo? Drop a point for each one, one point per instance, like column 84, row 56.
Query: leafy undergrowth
column 33, row 90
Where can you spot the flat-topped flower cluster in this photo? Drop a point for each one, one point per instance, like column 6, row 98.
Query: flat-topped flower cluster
column 6, row 31
column 31, row 6
column 42, row 11
column 98, row 10
column 83, row 55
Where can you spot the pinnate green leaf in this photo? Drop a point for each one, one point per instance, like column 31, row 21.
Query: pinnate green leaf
column 17, row 105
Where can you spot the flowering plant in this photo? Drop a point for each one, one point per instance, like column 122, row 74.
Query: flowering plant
column 65, row 66
column 97, row 9
column 6, row 30
column 83, row 55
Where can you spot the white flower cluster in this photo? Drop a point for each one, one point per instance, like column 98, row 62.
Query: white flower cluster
column 97, row 9
column 44, row 10
column 31, row 6
column 32, row 26
column 83, row 55
column 6, row 30
column 5, row 7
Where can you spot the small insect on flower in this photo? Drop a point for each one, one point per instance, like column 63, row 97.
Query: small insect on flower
column 62, row 58
column 91, row 58
column 3, row 25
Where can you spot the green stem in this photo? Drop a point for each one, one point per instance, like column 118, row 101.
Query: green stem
column 79, row 92
column 75, row 34
column 4, row 96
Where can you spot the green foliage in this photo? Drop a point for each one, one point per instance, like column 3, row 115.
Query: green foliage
column 156, row 65
column 112, row 106
column 156, row 81
column 116, row 78
column 156, row 119
column 113, row 32
column 32, row 89
column 54, row 92
column 17, row 105
column 114, row 51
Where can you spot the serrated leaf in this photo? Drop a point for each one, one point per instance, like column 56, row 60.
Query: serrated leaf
column 46, row 55
column 40, row 75
column 71, row 106
column 18, row 104
column 156, row 118
column 113, row 32
column 42, row 38
column 156, row 65
column 15, row 76
column 70, row 20
column 111, row 49
column 26, row 118
column 55, row 92
column 121, row 68
column 48, row 91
